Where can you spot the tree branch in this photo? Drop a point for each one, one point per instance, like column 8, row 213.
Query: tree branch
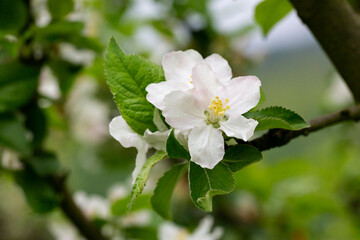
column 336, row 26
column 71, row 210
column 279, row 137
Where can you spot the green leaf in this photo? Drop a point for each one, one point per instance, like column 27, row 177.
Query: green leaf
column 13, row 134
column 60, row 9
column 127, row 77
column 40, row 196
column 45, row 164
column 240, row 156
column 36, row 123
column 134, row 232
column 13, row 15
column 120, row 206
column 175, row 149
column 65, row 72
column 160, row 201
column 143, row 176
column 270, row 12
column 277, row 117
column 206, row 183
column 17, row 85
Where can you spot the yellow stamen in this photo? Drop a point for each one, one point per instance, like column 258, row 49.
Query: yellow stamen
column 182, row 235
column 191, row 80
column 217, row 106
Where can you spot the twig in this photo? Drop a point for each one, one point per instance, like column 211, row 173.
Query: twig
column 71, row 210
column 279, row 137
column 336, row 25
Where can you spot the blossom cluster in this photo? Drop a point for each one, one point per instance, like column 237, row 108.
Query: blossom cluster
column 202, row 101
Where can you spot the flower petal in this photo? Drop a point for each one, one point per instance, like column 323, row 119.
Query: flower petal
column 203, row 231
column 157, row 91
column 140, row 161
column 178, row 65
column 156, row 139
column 206, row 146
column 170, row 231
column 239, row 127
column 182, row 110
column 243, row 93
column 220, row 67
column 121, row 131
column 206, row 83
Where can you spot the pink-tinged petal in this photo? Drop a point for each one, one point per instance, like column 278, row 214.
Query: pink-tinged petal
column 157, row 91
column 220, row 67
column 206, row 83
column 182, row 110
column 121, row 131
column 178, row 65
column 243, row 93
column 239, row 127
column 206, row 146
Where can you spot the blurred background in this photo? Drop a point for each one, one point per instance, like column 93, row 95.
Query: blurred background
column 308, row 189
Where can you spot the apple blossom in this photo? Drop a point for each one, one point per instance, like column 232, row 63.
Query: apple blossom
column 213, row 104
column 178, row 68
column 121, row 131
column 169, row 230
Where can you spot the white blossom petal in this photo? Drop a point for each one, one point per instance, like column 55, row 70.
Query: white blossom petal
column 239, row 127
column 220, row 67
column 156, row 139
column 243, row 93
column 139, row 161
column 183, row 111
column 178, row 65
column 206, row 83
column 203, row 231
column 170, row 231
column 206, row 146
column 157, row 91
column 121, row 131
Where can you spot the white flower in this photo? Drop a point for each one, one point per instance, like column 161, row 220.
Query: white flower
column 121, row 131
column 206, row 103
column 92, row 206
column 170, row 231
column 178, row 68
column 63, row 231
column 10, row 160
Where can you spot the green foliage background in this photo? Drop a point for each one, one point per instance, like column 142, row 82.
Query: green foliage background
column 305, row 190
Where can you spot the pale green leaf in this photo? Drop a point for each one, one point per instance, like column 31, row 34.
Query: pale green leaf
column 240, row 156
column 143, row 176
column 160, row 201
column 206, row 183
column 277, row 117
column 127, row 77
column 270, row 12
column 60, row 9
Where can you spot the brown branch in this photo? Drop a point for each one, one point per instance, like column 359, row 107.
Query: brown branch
column 71, row 210
column 336, row 26
column 279, row 137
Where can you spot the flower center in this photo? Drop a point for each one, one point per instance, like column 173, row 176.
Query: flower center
column 216, row 112
column 182, row 235
column 217, row 106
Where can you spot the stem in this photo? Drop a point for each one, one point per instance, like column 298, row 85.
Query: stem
column 279, row 137
column 335, row 25
column 71, row 210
